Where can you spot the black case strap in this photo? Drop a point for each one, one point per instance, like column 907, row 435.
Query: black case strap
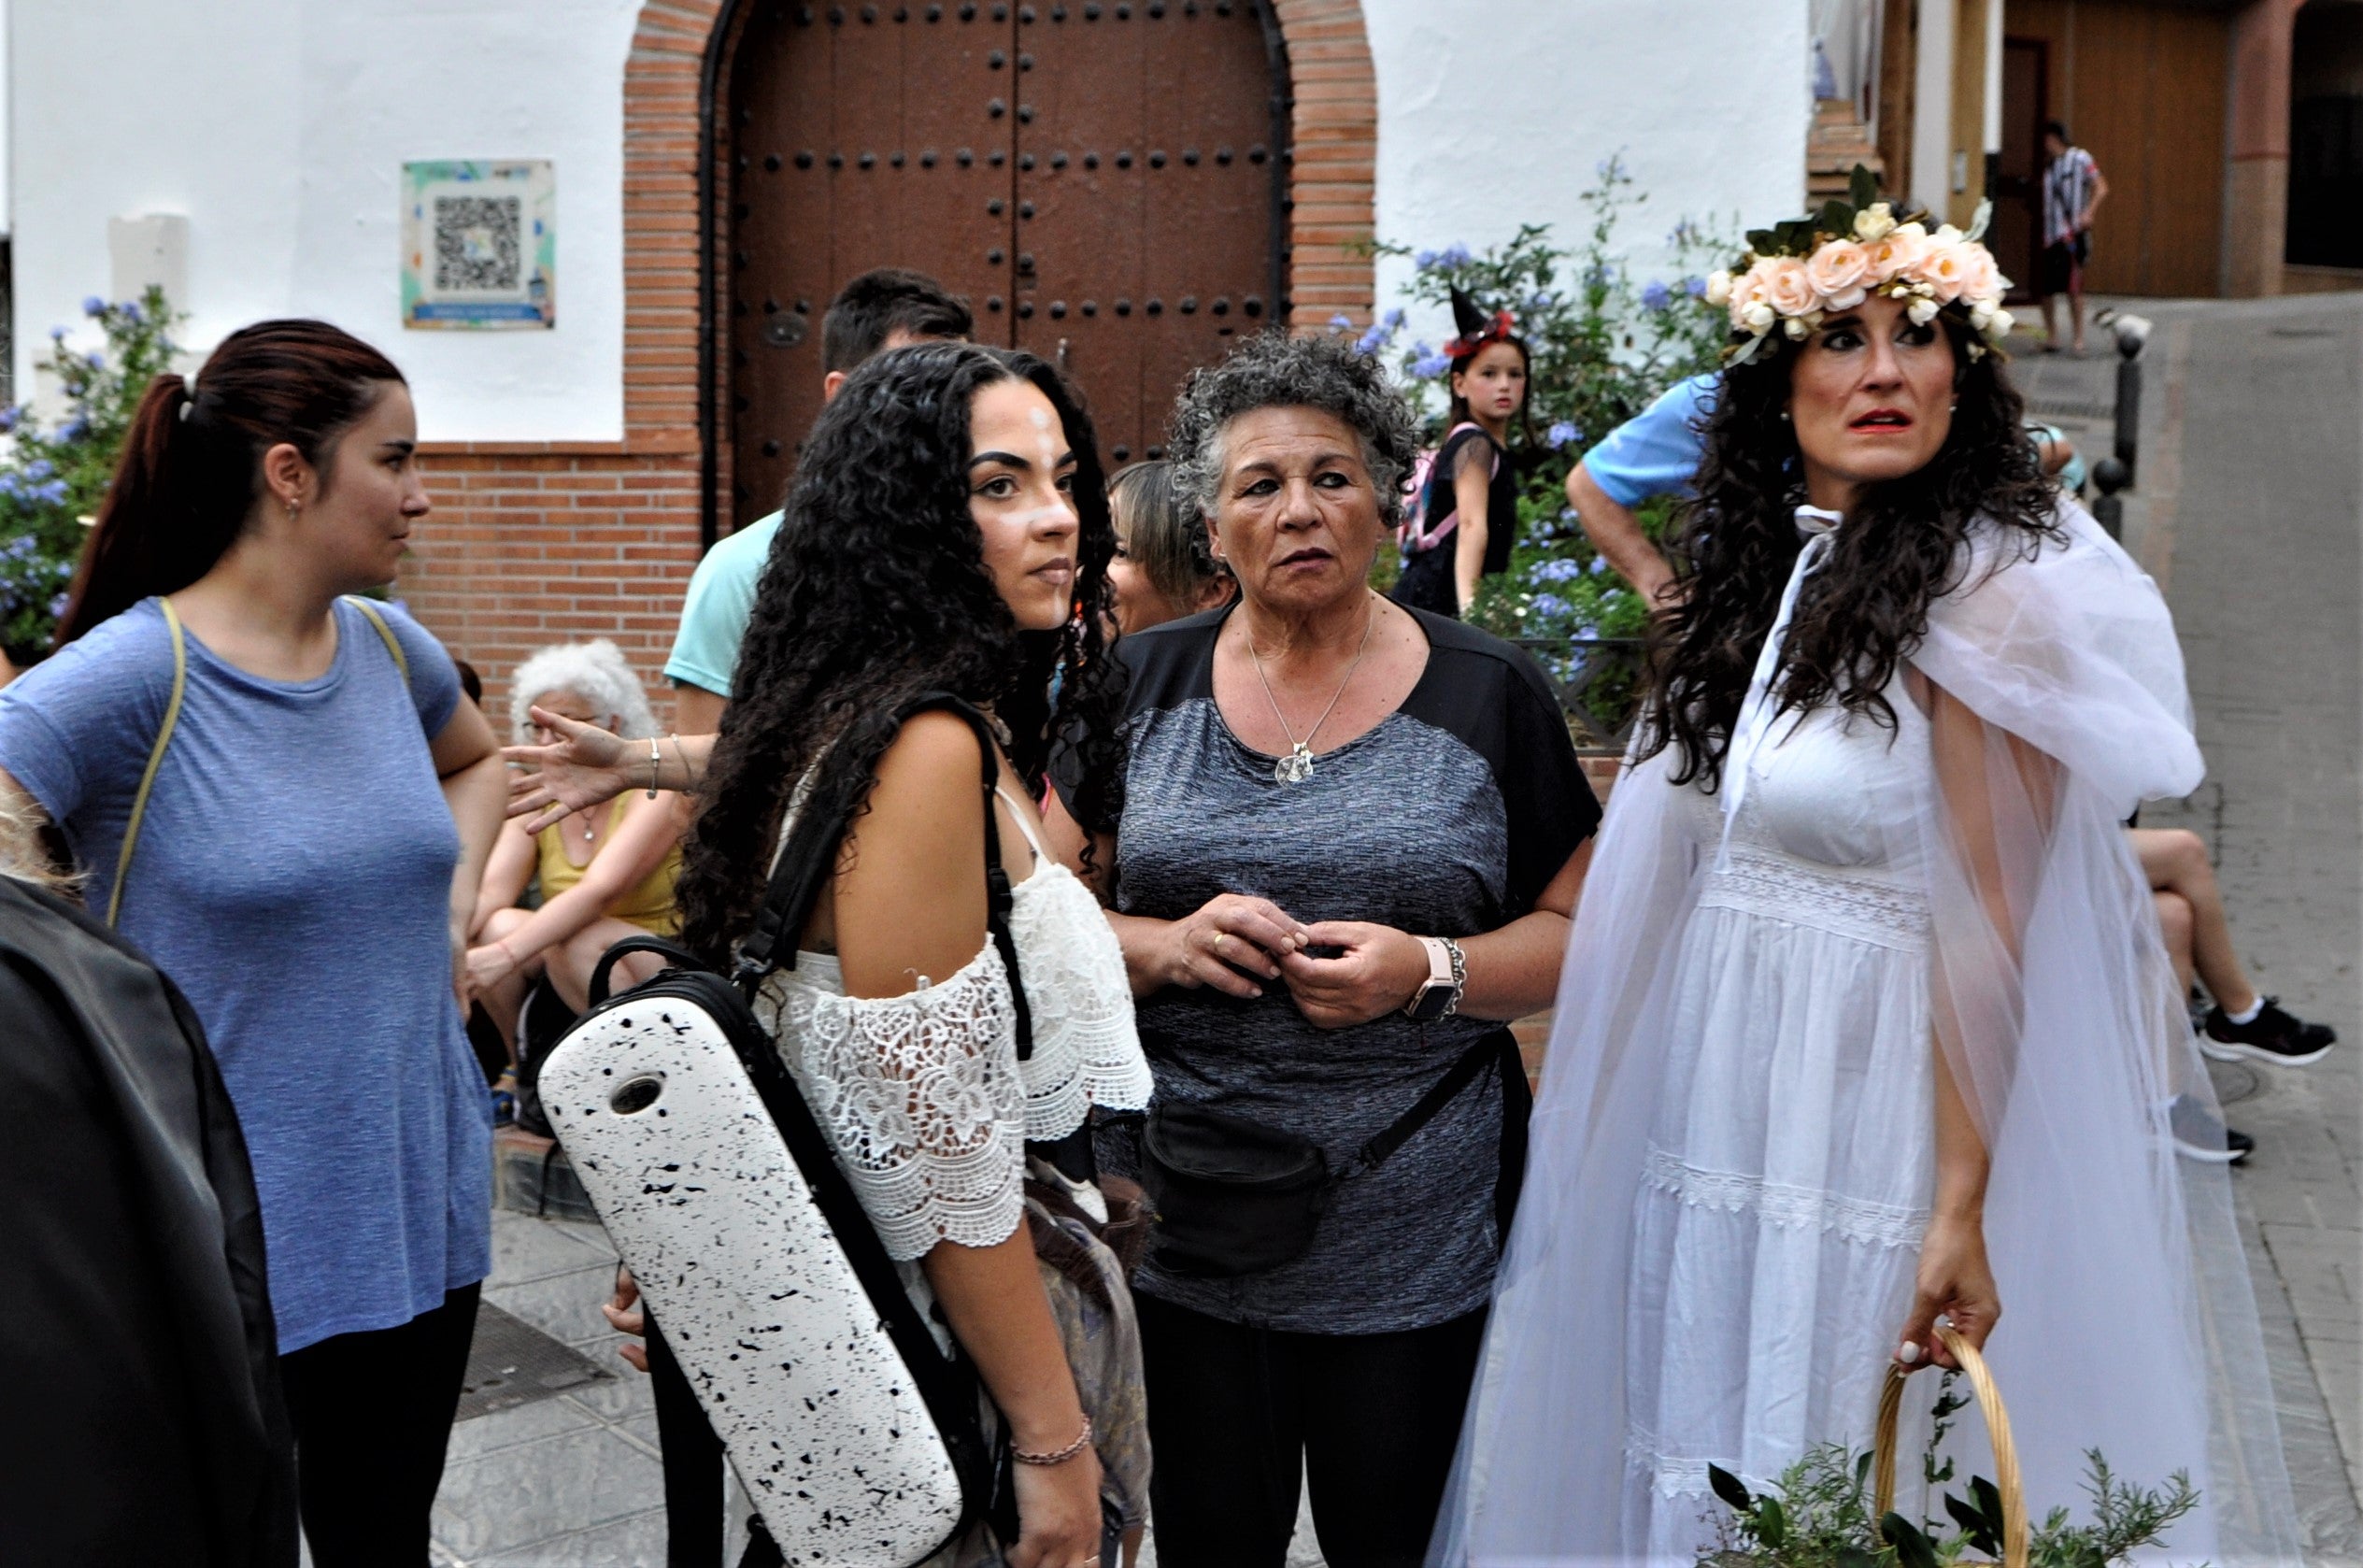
column 1473, row 1061
column 811, row 851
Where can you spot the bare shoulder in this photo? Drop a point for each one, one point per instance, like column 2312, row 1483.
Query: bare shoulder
column 928, row 774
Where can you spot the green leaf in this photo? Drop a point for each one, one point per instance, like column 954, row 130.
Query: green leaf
column 1989, row 1502
column 1771, row 1522
column 1854, row 1557
column 1975, row 1523
column 1764, row 242
column 1912, row 1549
column 1863, row 186
column 1862, row 1472
column 1837, row 218
column 1729, row 1487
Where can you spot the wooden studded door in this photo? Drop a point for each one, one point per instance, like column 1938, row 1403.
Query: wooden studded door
column 1103, row 182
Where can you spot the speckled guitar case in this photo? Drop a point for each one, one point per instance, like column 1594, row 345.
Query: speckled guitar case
column 858, row 1440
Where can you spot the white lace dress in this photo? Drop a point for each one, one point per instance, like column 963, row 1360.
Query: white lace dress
column 923, row 1095
column 1789, row 1165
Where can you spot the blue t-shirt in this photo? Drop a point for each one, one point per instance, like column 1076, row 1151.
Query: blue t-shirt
column 1657, row 451
column 292, row 876
column 714, row 614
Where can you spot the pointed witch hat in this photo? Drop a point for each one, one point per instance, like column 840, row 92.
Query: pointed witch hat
column 1476, row 327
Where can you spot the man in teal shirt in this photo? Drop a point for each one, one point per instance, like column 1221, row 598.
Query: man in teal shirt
column 886, row 308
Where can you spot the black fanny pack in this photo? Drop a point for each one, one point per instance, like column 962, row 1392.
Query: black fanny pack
column 1233, row 1196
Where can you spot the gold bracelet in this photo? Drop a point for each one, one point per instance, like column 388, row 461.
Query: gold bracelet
column 1081, row 1443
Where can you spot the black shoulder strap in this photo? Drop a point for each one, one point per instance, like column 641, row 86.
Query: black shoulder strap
column 1488, row 1049
column 811, row 851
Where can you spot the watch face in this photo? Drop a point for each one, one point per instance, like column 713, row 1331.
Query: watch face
column 1430, row 1004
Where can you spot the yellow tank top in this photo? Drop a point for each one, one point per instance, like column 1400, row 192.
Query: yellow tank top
column 649, row 905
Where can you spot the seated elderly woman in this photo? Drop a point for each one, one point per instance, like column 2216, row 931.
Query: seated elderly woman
column 606, row 872
column 1164, row 567
column 1350, row 837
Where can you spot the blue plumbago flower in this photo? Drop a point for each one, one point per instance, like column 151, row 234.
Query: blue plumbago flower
column 96, row 362
column 10, row 416
column 1694, row 286
column 40, row 468
column 1393, row 319
column 74, row 429
column 94, row 305
column 132, row 314
column 1454, row 255
column 1431, row 363
column 1600, row 275
column 1655, row 296
column 1423, row 259
column 1557, row 569
column 1549, row 604
column 1372, row 341
column 57, row 607
column 1600, row 566
column 51, row 494
column 1540, row 299
column 57, row 335
column 1586, row 631
column 1563, row 434
column 1341, row 323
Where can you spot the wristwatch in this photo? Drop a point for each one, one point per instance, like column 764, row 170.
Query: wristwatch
column 1439, row 995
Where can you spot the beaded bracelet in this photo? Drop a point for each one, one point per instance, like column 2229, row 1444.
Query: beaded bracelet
column 1081, row 1443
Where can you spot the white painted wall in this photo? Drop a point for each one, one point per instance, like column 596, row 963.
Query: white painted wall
column 280, row 127
column 1932, row 108
column 1494, row 113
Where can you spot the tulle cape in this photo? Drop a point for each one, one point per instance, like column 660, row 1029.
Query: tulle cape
column 2129, row 1323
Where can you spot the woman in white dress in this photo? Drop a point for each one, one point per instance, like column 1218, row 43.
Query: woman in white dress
column 1865, row 1020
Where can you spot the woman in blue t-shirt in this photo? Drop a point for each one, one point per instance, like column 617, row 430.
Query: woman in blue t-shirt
column 214, row 736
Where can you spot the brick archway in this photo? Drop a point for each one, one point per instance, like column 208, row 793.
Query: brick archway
column 538, row 542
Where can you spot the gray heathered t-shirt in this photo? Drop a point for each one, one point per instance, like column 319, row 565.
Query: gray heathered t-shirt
column 1447, row 820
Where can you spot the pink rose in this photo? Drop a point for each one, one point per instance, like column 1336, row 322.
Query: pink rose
column 1896, row 255
column 1982, row 279
column 1946, row 268
column 1748, row 289
column 1789, row 288
column 1839, row 272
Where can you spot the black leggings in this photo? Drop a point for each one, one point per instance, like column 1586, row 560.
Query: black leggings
column 1236, row 1413
column 372, row 1413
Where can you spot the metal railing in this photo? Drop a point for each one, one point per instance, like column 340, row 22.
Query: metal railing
column 1599, row 681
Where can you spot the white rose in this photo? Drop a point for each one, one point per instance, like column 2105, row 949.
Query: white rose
column 1998, row 325
column 1922, row 311
column 1719, row 287
column 1757, row 317
column 1981, row 313
column 1947, row 235
column 1875, row 222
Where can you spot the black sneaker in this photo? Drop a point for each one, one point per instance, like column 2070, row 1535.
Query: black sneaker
column 2271, row 1037
column 2199, row 1135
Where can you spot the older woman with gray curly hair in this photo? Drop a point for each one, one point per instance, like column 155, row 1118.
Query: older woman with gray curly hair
column 606, row 872
column 1350, row 839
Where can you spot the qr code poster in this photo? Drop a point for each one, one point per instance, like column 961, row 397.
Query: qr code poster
column 479, row 244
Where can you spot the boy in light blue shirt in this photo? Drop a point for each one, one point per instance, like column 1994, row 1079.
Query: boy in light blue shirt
column 886, row 308
column 1655, row 452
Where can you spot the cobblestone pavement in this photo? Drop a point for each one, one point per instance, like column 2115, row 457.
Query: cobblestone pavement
column 2250, row 511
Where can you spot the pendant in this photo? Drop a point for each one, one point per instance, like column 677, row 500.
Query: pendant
column 1296, row 767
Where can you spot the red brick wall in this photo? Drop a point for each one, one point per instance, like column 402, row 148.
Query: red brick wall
column 540, row 542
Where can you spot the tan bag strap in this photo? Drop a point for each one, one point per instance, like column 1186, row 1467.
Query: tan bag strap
column 385, row 634
column 155, row 758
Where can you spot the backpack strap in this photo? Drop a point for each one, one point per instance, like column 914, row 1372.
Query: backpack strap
column 1422, row 539
column 155, row 758
column 385, row 634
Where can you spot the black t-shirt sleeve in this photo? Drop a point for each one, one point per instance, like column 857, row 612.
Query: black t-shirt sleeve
column 1550, row 804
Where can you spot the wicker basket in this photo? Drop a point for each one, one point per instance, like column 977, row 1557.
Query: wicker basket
column 1990, row 1406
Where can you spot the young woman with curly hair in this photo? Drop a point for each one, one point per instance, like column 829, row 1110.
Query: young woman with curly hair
column 947, row 532
column 1866, row 1027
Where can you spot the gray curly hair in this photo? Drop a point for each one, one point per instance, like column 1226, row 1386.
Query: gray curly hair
column 1272, row 370
column 595, row 671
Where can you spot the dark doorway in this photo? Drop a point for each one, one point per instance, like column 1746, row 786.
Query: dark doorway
column 1103, row 180
column 2326, row 138
column 2017, row 233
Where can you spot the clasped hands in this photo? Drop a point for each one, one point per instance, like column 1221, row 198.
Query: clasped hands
column 1237, row 945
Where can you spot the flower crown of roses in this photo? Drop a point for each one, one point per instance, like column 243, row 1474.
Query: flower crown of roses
column 1796, row 273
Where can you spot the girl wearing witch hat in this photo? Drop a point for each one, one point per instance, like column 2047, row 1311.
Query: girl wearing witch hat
column 1468, row 513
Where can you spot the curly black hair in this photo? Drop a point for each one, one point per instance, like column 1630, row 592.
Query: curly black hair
column 875, row 591
column 1859, row 617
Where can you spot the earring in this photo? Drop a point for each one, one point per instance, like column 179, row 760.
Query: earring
column 1783, row 416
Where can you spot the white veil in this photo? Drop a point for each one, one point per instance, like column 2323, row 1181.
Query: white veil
column 2128, row 1324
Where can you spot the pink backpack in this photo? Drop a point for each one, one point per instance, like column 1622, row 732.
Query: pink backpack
column 1412, row 532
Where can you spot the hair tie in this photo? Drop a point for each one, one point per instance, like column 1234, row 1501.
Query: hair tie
column 188, row 395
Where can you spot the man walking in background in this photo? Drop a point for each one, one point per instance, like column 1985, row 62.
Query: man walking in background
column 2072, row 191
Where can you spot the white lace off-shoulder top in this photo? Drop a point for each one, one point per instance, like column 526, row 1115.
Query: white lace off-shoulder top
column 923, row 1095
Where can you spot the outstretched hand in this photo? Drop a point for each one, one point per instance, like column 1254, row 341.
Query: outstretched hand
column 584, row 766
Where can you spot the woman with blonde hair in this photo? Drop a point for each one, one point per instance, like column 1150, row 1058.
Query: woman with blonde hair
column 606, row 871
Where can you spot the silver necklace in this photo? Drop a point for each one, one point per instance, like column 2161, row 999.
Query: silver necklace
column 1297, row 766
column 590, row 823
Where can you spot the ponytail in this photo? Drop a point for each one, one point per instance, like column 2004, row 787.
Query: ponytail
column 192, row 462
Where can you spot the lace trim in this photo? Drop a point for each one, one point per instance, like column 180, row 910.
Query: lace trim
column 1853, row 1219
column 920, row 1093
column 1085, row 1050
column 1786, row 887
column 1672, row 1476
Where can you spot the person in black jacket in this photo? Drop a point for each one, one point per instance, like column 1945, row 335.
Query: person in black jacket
column 146, row 1424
